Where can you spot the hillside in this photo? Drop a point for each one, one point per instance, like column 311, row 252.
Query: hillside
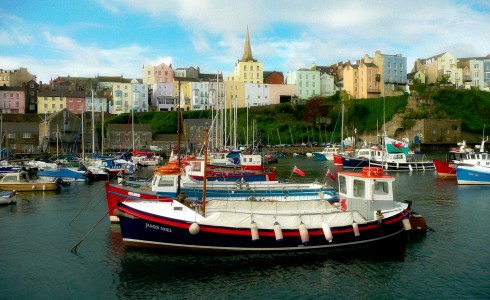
column 319, row 120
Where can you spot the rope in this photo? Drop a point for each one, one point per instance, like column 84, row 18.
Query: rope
column 74, row 248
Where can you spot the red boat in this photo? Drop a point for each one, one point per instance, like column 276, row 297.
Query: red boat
column 337, row 159
column 445, row 168
column 454, row 156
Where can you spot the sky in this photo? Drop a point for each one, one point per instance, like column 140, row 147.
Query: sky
column 87, row 38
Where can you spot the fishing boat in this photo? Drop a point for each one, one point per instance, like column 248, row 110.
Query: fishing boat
column 473, row 175
column 146, row 158
column 266, row 173
column 20, row 181
column 462, row 155
column 171, row 182
column 82, row 173
column 367, row 213
column 447, row 168
column 326, row 154
column 394, row 155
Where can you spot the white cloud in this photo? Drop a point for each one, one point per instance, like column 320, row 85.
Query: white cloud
column 211, row 34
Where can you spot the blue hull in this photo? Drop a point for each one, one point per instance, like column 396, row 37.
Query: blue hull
column 354, row 163
column 473, row 175
column 65, row 174
column 319, row 156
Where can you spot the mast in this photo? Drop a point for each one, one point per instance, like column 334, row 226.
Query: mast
column 57, row 137
column 246, row 139
column 83, row 137
column 132, row 117
column 205, row 172
column 102, row 132
column 342, row 128
column 93, row 125
column 178, row 141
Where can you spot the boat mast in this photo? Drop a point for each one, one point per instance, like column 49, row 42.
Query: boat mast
column 93, row 125
column 205, row 172
column 57, row 138
column 102, row 132
column 132, row 117
column 83, row 137
column 342, row 127
column 178, row 141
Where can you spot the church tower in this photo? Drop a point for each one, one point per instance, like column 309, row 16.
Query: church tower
column 248, row 69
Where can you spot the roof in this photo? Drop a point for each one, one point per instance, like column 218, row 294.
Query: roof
column 127, row 127
column 63, row 111
column 75, row 94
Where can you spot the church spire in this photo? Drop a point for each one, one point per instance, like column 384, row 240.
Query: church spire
column 247, row 51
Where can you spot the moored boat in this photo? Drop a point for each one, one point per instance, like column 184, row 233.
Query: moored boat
column 20, row 181
column 367, row 214
column 473, row 175
column 326, row 154
column 170, row 182
column 8, row 197
column 445, row 168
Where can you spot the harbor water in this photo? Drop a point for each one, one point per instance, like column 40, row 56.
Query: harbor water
column 451, row 261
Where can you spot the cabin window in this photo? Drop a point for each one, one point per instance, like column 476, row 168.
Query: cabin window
column 166, row 181
column 381, row 188
column 196, row 167
column 342, row 185
column 359, row 188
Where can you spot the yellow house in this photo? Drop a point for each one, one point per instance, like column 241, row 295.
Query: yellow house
column 247, row 70
column 49, row 102
column 234, row 93
column 350, row 75
column 368, row 85
column 182, row 92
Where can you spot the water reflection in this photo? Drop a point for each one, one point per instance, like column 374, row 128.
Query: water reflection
column 167, row 274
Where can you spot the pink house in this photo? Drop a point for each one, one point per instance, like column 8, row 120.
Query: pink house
column 12, row 100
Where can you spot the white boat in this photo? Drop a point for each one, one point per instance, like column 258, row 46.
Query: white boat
column 170, row 182
column 8, row 197
column 367, row 214
column 473, row 174
column 327, row 153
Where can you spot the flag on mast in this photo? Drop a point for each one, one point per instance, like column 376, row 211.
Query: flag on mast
column 298, row 171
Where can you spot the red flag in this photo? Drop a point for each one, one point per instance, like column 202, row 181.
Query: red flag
column 329, row 174
column 298, row 171
column 398, row 144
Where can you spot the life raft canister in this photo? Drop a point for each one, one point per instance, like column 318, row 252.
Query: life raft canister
column 376, row 171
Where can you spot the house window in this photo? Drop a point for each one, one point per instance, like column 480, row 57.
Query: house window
column 26, row 135
column 11, row 135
